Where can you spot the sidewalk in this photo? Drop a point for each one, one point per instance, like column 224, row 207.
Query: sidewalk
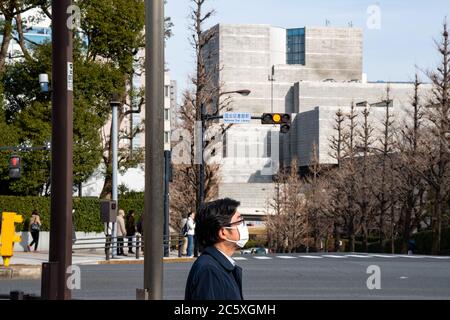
column 86, row 258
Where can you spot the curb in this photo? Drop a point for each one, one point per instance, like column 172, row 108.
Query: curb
column 166, row 260
column 20, row 272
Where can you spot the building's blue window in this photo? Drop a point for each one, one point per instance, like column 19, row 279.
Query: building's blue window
column 295, row 42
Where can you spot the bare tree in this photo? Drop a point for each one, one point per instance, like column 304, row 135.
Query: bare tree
column 385, row 190
column 203, row 99
column 439, row 156
column 335, row 205
column 365, row 175
column 286, row 228
column 346, row 179
column 410, row 169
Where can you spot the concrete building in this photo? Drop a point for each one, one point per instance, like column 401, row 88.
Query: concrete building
column 308, row 72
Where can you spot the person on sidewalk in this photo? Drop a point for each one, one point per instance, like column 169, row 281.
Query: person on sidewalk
column 130, row 225
column 214, row 275
column 190, row 234
column 121, row 232
column 35, row 228
column 184, row 237
column 140, row 230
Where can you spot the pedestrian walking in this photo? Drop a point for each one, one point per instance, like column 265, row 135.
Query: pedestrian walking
column 130, row 226
column 220, row 230
column 121, row 232
column 190, row 234
column 35, row 228
column 184, row 237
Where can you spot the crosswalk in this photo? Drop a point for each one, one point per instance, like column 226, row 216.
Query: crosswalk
column 336, row 256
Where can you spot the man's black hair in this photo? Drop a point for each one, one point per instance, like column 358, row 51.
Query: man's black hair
column 212, row 217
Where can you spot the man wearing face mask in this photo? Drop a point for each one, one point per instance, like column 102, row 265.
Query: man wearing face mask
column 220, row 230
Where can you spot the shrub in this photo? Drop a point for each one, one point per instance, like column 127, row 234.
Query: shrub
column 87, row 210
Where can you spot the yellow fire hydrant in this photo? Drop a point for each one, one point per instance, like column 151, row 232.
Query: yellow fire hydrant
column 8, row 235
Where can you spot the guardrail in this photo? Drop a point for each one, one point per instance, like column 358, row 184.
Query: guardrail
column 110, row 244
column 19, row 295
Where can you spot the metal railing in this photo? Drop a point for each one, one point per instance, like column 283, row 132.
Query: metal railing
column 19, row 295
column 111, row 244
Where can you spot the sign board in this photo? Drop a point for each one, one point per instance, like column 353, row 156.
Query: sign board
column 237, row 117
column 69, row 76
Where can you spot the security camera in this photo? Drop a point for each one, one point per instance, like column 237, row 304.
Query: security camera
column 43, row 82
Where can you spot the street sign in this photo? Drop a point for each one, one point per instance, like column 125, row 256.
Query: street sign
column 237, row 117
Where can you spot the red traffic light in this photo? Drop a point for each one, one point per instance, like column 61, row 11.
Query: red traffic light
column 14, row 162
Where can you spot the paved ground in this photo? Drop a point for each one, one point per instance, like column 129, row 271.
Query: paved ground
column 78, row 258
column 286, row 277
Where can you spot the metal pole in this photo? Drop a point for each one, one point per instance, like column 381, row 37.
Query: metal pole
column 166, row 203
column 154, row 147
column 201, row 193
column 60, row 257
column 115, row 142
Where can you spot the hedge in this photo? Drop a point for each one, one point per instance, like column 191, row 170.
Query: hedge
column 423, row 244
column 87, row 210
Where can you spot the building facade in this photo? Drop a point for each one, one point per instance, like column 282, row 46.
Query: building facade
column 307, row 72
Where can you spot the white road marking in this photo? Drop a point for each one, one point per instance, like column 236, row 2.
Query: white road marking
column 333, row 256
column 403, row 278
column 411, row 257
column 357, row 256
column 382, row 256
column 239, row 258
column 263, row 258
column 285, row 257
column 311, row 257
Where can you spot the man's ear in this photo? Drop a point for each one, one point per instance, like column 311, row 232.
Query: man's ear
column 221, row 234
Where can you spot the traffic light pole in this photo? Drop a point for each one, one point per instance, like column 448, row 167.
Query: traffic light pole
column 154, row 152
column 54, row 273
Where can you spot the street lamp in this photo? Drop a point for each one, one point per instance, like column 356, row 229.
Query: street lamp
column 201, row 190
column 44, row 83
column 114, row 103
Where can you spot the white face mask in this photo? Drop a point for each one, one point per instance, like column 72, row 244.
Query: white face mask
column 243, row 235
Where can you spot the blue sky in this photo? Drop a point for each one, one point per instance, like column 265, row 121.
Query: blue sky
column 405, row 37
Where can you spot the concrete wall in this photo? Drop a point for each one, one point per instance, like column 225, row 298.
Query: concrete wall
column 341, row 94
column 44, row 240
column 317, row 123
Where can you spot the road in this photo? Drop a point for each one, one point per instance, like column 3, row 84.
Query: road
column 281, row 277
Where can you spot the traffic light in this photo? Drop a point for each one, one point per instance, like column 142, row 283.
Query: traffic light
column 283, row 119
column 8, row 235
column 14, row 167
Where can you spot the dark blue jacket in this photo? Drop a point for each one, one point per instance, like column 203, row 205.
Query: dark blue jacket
column 213, row 277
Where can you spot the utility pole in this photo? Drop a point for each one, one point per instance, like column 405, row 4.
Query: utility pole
column 54, row 273
column 154, row 151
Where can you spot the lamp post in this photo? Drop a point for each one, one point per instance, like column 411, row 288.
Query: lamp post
column 154, row 152
column 201, row 189
column 114, row 103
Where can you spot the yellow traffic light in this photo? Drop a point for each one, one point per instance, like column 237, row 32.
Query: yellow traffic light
column 8, row 235
column 276, row 118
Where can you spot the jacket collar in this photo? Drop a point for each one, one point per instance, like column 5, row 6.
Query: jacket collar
column 216, row 254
